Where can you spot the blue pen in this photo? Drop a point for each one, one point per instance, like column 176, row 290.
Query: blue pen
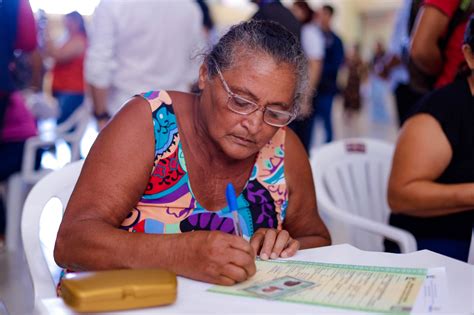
column 232, row 203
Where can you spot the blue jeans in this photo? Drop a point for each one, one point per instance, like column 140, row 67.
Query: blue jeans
column 68, row 102
column 322, row 110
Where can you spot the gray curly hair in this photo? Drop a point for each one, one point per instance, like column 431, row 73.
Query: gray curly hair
column 265, row 37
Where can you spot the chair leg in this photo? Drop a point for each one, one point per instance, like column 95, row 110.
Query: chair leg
column 16, row 192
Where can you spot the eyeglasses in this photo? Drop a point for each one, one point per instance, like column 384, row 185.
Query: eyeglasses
column 240, row 105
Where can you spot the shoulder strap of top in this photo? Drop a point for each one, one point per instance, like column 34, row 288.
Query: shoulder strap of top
column 156, row 98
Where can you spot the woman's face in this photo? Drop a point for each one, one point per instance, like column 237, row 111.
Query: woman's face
column 256, row 78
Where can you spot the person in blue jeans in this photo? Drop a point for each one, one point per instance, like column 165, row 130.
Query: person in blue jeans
column 68, row 78
column 327, row 87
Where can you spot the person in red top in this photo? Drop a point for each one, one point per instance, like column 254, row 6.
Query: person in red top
column 68, row 78
column 432, row 26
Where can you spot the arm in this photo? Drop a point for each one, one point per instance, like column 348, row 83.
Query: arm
column 422, row 154
column 302, row 219
column 26, row 28
column 430, row 27
column 72, row 49
column 114, row 177
column 100, row 58
column 315, row 70
column 99, row 102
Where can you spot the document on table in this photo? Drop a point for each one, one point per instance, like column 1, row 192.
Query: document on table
column 433, row 294
column 361, row 288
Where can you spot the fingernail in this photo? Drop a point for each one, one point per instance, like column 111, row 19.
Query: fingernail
column 264, row 256
column 284, row 255
column 273, row 256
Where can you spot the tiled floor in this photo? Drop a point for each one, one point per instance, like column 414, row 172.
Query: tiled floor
column 16, row 290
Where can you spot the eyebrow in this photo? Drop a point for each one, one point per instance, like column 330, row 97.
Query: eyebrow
column 239, row 91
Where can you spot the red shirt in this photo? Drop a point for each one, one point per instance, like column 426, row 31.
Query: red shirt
column 69, row 76
column 452, row 54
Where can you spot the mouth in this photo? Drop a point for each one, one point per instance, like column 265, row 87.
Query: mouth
column 242, row 140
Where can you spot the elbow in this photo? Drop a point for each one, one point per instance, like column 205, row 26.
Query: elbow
column 418, row 55
column 60, row 249
column 396, row 199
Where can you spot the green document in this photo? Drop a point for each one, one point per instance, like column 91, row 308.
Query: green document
column 361, row 288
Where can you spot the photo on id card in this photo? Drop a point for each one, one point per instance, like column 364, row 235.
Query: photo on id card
column 279, row 287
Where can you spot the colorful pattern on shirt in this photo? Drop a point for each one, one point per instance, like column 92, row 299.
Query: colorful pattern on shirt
column 168, row 204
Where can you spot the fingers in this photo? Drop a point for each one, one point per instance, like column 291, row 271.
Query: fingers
column 241, row 244
column 257, row 240
column 236, row 273
column 270, row 243
column 291, row 248
column 282, row 240
column 246, row 262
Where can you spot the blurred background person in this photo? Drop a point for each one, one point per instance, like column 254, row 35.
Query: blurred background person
column 67, row 73
column 139, row 45
column 17, row 31
column 207, row 23
column 378, row 86
column 356, row 68
column 312, row 41
column 333, row 59
column 432, row 180
column 436, row 39
column 393, row 67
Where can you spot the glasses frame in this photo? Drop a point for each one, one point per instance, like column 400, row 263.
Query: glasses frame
column 232, row 95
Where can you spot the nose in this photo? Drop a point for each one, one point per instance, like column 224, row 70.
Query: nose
column 254, row 121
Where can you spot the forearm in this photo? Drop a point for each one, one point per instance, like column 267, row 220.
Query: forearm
column 315, row 69
column 99, row 99
column 426, row 198
column 429, row 60
column 95, row 245
column 313, row 241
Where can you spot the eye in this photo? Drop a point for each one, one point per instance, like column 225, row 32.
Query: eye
column 277, row 116
column 242, row 103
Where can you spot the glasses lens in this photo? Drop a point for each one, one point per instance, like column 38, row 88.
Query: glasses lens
column 241, row 105
column 277, row 117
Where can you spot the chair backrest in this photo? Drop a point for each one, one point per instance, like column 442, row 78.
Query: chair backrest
column 353, row 175
column 42, row 214
column 71, row 131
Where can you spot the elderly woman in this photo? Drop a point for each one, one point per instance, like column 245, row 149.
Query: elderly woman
column 160, row 169
column 431, row 188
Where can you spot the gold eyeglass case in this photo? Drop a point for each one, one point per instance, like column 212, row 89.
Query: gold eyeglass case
column 114, row 290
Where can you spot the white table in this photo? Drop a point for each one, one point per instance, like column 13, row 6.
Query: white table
column 193, row 298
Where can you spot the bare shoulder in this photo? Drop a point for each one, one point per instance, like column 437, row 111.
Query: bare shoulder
column 117, row 166
column 181, row 99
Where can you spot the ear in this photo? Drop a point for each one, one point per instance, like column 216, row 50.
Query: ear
column 202, row 76
column 468, row 55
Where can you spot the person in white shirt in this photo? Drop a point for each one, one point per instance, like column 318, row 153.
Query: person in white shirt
column 312, row 40
column 140, row 45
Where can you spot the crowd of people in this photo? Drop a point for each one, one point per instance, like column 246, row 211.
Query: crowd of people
column 243, row 114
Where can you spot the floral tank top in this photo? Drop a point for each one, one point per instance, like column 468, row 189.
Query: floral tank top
column 169, row 205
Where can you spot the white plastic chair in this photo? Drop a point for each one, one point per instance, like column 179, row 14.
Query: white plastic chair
column 351, row 178
column 19, row 184
column 42, row 215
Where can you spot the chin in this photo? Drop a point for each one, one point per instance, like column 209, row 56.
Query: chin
column 239, row 152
